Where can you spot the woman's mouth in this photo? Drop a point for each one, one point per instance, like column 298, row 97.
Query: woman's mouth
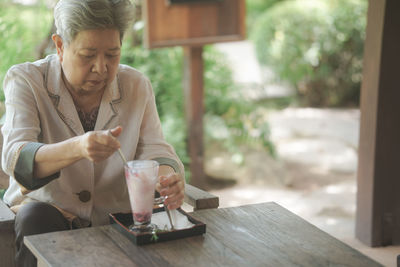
column 95, row 82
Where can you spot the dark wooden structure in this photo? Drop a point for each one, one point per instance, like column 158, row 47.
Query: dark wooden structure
column 263, row 234
column 192, row 24
column 378, row 197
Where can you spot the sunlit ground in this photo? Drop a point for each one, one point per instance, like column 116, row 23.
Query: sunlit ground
column 317, row 161
column 314, row 175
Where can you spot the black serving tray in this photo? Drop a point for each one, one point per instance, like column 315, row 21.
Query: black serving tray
column 122, row 221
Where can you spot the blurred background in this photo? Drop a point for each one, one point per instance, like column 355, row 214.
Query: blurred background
column 281, row 118
column 299, row 53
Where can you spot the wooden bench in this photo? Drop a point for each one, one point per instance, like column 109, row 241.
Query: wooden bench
column 7, row 235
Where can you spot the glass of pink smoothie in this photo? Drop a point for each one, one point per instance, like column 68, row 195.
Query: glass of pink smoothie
column 141, row 178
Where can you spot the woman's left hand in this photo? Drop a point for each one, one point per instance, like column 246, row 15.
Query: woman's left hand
column 172, row 187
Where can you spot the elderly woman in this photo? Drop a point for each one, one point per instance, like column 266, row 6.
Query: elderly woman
column 67, row 114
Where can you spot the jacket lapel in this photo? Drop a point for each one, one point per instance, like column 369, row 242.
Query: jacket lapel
column 108, row 106
column 60, row 96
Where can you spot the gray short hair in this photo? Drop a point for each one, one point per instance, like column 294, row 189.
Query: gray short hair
column 73, row 16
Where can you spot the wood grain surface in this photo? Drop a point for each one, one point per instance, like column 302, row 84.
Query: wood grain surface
column 254, row 235
column 193, row 91
column 7, row 235
column 193, row 24
column 6, row 216
column 200, row 199
column 378, row 212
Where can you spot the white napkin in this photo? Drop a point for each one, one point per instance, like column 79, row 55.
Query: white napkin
column 179, row 220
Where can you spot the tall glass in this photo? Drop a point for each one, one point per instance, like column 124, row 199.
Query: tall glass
column 141, row 178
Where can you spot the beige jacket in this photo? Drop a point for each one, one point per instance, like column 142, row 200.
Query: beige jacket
column 40, row 109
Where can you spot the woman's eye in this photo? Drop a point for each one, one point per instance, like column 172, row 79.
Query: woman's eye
column 87, row 56
column 112, row 55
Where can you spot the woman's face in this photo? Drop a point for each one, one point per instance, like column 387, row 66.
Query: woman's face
column 90, row 62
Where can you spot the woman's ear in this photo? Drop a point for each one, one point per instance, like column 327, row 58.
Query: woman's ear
column 58, row 42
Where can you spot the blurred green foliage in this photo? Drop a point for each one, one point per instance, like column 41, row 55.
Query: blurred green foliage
column 228, row 118
column 317, row 46
column 22, row 28
column 254, row 8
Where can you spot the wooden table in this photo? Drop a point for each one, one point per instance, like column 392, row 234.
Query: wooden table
column 253, row 235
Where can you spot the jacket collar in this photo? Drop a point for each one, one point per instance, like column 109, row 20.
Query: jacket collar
column 65, row 106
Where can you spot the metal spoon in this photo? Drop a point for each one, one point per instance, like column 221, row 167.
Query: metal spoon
column 122, row 157
column 119, row 150
column 169, row 217
column 160, row 200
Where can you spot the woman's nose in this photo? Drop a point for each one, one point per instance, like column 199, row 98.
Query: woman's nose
column 100, row 65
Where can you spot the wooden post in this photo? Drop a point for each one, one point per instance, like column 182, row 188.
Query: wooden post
column 193, row 24
column 194, row 108
column 378, row 196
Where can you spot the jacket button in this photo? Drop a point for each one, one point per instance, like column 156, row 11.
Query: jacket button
column 84, row 196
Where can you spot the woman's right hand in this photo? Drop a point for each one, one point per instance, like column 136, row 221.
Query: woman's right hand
column 95, row 146
column 99, row 145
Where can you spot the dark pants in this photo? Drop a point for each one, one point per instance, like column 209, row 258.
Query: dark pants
column 35, row 218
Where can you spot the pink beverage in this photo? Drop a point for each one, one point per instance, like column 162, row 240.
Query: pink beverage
column 141, row 178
